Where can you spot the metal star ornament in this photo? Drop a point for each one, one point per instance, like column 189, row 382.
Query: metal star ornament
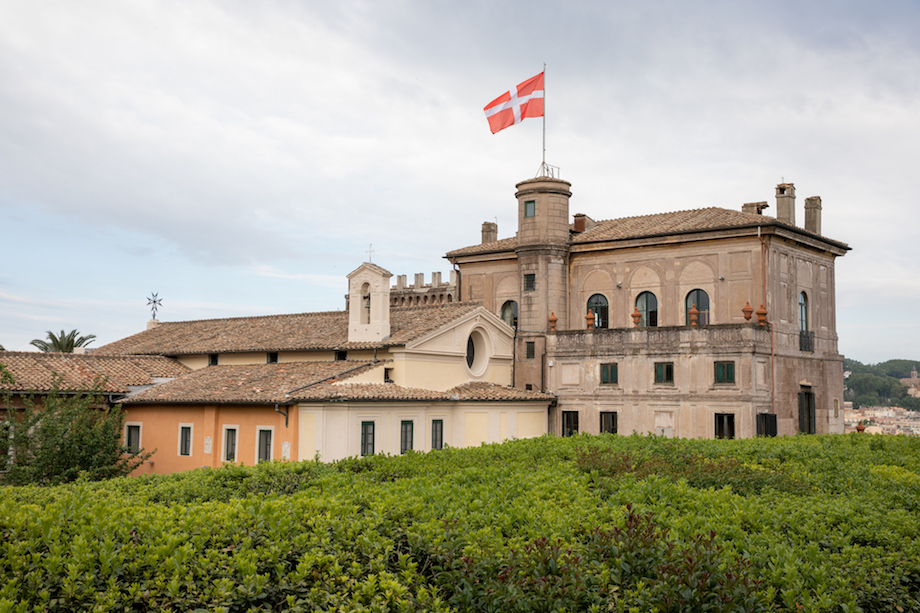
column 154, row 303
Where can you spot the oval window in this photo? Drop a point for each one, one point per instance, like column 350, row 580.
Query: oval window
column 470, row 351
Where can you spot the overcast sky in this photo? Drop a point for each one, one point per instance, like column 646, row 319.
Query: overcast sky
column 239, row 157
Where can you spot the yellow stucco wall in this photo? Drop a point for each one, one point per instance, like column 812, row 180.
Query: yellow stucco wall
column 476, row 429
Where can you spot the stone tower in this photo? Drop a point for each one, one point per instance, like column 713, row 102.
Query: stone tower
column 542, row 255
column 368, row 303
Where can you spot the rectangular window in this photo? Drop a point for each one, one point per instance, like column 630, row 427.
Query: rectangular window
column 608, row 422
column 530, row 208
column 664, row 372
column 437, row 434
column 229, row 454
column 608, row 374
column 212, row 359
column 388, row 375
column 406, row 434
column 725, row 425
column 341, row 356
column 530, row 282
column 133, row 437
column 367, row 438
column 185, row 439
column 766, row 424
column 271, row 357
column 531, row 350
column 725, row 372
column 264, row 445
column 569, row 423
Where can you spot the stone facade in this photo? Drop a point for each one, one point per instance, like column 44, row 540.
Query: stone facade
column 686, row 370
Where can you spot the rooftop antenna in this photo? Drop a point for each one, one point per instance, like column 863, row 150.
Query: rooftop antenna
column 370, row 253
column 546, row 170
column 154, row 303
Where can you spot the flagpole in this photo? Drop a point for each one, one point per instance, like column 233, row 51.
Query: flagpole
column 544, row 118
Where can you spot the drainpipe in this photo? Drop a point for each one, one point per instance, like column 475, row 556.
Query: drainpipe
column 459, row 282
column 763, row 276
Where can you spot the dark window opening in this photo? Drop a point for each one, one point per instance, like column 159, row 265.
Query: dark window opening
column 185, row 440
column 510, row 313
column 265, row 445
column 406, row 434
column 437, row 434
column 608, row 373
column 388, row 375
column 529, row 387
column 647, row 304
column 597, row 305
column 531, row 348
column 367, row 438
column 725, row 372
column 766, row 424
column 569, row 423
column 725, row 425
column 807, row 412
column 530, row 282
column 530, row 208
column 608, row 422
column 803, row 312
column 272, row 358
column 212, row 359
column 699, row 299
column 230, row 445
column 341, row 356
column 470, row 351
column 133, row 439
column 664, row 372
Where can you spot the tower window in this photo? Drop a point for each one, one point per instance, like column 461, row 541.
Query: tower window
column 530, row 282
column 725, row 372
column 530, row 208
column 531, row 350
column 510, row 313
column 608, row 374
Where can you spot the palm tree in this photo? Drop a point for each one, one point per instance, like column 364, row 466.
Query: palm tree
column 65, row 343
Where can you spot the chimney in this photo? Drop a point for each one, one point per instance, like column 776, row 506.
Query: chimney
column 153, row 323
column 755, row 208
column 489, row 232
column 419, row 280
column 435, row 279
column 401, row 282
column 785, row 203
column 583, row 222
column 813, row 214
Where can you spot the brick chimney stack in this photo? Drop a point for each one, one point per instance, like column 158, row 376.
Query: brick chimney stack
column 813, row 214
column 489, row 232
column 785, row 203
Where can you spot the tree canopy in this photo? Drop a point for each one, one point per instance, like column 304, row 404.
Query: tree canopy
column 879, row 384
column 57, row 437
column 66, row 342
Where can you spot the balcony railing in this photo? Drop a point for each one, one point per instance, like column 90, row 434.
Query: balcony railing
column 806, row 341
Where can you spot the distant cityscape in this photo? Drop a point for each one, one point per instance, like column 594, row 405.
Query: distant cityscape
column 885, row 419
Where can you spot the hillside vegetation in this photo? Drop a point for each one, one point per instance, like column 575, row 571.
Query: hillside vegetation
column 880, row 384
column 608, row 523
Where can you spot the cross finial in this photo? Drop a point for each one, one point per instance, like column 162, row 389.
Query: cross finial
column 154, row 303
column 370, row 253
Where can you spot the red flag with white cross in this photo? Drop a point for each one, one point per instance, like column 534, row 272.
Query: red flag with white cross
column 525, row 100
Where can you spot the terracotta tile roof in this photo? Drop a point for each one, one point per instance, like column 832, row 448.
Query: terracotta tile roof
column 473, row 391
column 643, row 226
column 35, row 371
column 288, row 382
column 298, row 332
column 250, row 383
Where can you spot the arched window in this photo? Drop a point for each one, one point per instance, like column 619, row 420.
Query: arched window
column 597, row 304
column 803, row 312
column 648, row 308
column 700, row 300
column 366, row 303
column 510, row 312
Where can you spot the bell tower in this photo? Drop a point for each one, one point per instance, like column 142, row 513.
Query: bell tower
column 368, row 303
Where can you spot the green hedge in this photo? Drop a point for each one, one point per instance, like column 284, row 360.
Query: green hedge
column 608, row 523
